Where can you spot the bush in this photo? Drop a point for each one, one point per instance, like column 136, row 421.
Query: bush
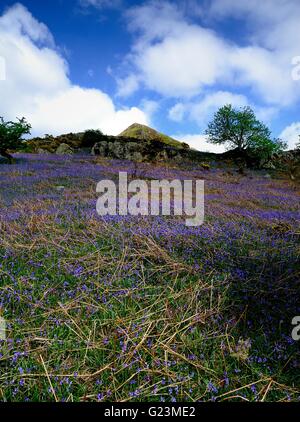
column 11, row 136
column 91, row 137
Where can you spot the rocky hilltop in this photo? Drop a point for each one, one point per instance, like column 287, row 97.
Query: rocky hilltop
column 136, row 143
column 142, row 143
column 145, row 133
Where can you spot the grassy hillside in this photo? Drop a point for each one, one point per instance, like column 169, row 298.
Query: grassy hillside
column 143, row 308
column 146, row 133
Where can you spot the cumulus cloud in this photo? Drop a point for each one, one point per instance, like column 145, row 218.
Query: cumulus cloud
column 37, row 85
column 202, row 111
column 200, row 143
column 101, row 4
column 273, row 25
column 172, row 57
column 2, row 69
column 178, row 58
column 291, row 135
column 127, row 86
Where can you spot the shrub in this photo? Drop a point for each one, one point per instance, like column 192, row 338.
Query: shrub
column 91, row 137
column 11, row 136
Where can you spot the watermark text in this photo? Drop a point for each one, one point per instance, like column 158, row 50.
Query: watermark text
column 157, row 197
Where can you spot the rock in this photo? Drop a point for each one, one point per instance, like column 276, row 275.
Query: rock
column 162, row 156
column 100, row 148
column 137, row 150
column 64, row 149
column 269, row 166
column 134, row 156
column 267, row 176
column 42, row 151
column 117, row 149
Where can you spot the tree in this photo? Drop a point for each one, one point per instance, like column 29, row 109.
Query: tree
column 241, row 130
column 264, row 148
column 92, row 137
column 11, row 136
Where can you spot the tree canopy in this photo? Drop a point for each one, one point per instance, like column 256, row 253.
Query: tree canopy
column 11, row 134
column 240, row 129
column 91, row 137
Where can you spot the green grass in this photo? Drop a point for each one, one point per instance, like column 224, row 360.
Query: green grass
column 143, row 132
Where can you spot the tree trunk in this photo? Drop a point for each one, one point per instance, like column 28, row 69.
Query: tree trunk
column 5, row 154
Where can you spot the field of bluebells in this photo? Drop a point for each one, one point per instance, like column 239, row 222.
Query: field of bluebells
column 144, row 308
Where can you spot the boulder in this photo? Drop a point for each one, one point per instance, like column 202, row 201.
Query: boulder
column 137, row 150
column 269, row 166
column 100, row 148
column 42, row 151
column 64, row 149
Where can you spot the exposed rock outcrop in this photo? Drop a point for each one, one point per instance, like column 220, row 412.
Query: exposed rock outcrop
column 136, row 150
column 64, row 149
column 289, row 162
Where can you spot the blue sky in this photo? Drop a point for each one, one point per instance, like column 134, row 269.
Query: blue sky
column 70, row 65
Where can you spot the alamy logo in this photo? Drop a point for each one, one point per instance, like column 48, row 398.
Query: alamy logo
column 296, row 330
column 2, row 69
column 2, row 329
column 157, row 197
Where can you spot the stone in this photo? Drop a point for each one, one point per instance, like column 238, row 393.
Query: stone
column 100, row 148
column 269, row 166
column 64, row 149
column 42, row 151
column 137, row 150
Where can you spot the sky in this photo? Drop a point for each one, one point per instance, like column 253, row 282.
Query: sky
column 72, row 65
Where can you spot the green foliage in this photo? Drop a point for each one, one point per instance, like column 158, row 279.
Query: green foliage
column 91, row 137
column 205, row 166
column 146, row 133
column 242, row 130
column 11, row 133
column 265, row 148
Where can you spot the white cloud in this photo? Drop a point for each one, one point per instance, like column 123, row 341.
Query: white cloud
column 178, row 112
column 202, row 111
column 177, row 58
column 181, row 65
column 17, row 20
column 150, row 107
column 171, row 56
column 127, row 86
column 291, row 135
column 101, row 4
column 37, row 85
column 2, row 69
column 271, row 24
column 199, row 142
column 76, row 109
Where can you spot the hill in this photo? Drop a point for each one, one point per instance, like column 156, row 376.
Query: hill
column 146, row 133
